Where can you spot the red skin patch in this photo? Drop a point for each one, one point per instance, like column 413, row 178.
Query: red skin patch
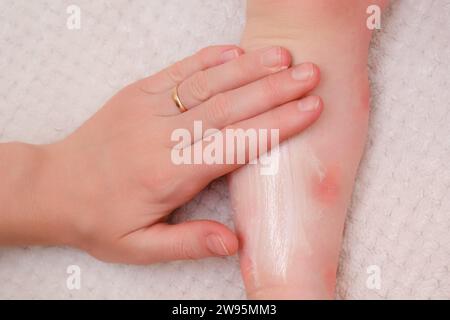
column 330, row 281
column 326, row 187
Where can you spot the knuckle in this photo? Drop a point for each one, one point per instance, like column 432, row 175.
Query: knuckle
column 199, row 87
column 244, row 69
column 175, row 72
column 203, row 54
column 183, row 249
column 219, row 111
column 271, row 89
column 276, row 120
column 158, row 183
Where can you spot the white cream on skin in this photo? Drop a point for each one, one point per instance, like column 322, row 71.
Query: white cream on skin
column 271, row 215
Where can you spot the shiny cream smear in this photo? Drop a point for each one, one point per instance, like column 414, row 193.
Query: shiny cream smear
column 271, row 216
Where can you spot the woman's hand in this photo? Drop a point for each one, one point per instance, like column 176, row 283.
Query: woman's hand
column 109, row 187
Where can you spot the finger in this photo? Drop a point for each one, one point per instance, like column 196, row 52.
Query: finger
column 248, row 101
column 175, row 74
column 287, row 121
column 184, row 241
column 249, row 67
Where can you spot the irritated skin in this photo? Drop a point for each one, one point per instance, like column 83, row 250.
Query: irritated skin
column 291, row 224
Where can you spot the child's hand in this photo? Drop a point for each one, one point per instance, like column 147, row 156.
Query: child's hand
column 110, row 186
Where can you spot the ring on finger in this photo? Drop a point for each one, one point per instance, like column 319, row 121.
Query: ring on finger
column 177, row 100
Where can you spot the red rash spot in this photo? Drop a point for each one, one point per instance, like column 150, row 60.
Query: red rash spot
column 326, row 186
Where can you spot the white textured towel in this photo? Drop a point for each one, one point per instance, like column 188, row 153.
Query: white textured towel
column 52, row 79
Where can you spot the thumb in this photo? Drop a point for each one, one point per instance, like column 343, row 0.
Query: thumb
column 184, row 241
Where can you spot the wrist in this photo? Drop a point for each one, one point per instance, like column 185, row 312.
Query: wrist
column 60, row 195
column 25, row 210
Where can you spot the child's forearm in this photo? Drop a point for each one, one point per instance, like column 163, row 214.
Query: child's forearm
column 291, row 224
column 310, row 26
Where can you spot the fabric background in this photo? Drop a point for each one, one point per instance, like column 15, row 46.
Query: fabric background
column 53, row 79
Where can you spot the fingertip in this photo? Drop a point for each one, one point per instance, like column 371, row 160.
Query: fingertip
column 241, row 50
column 286, row 57
column 275, row 58
column 321, row 105
column 222, row 242
column 230, row 54
column 309, row 104
column 317, row 111
column 226, row 47
column 316, row 73
column 231, row 242
column 219, row 54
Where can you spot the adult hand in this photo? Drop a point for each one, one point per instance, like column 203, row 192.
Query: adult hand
column 109, row 187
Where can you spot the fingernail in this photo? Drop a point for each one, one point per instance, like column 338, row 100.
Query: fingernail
column 303, row 72
column 308, row 104
column 230, row 55
column 216, row 245
column 272, row 58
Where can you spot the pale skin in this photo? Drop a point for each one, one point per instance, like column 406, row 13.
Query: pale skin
column 290, row 225
column 109, row 187
column 87, row 192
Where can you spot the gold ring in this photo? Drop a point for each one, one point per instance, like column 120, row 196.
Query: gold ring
column 177, row 100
